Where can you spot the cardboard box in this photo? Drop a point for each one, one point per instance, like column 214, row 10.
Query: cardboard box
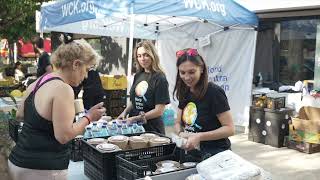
column 310, row 113
column 306, row 125
column 303, row 136
column 303, row 146
column 114, row 82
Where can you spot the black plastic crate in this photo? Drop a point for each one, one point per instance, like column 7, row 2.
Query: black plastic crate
column 115, row 94
column 94, row 172
column 102, row 165
column 116, row 103
column 114, row 111
column 259, row 100
column 76, row 149
column 130, row 169
column 275, row 103
column 257, row 125
column 277, row 126
column 14, row 129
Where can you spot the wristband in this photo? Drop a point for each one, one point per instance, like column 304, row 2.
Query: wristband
column 87, row 118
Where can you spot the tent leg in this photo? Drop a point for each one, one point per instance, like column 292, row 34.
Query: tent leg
column 129, row 73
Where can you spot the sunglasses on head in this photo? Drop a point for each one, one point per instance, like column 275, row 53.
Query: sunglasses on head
column 189, row 52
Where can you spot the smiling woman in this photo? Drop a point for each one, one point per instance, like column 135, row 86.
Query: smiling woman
column 203, row 109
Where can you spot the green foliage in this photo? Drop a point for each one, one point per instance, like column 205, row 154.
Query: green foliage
column 17, row 18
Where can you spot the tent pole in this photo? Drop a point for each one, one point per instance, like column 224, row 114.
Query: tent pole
column 130, row 48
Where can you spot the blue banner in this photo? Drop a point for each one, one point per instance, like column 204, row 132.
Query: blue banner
column 223, row 12
column 70, row 11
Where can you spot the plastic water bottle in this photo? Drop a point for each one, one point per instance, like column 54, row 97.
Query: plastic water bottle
column 95, row 130
column 140, row 127
column 130, row 128
column 88, row 133
column 124, row 128
column 119, row 129
column 106, row 124
column 113, row 129
column 104, row 131
column 134, row 127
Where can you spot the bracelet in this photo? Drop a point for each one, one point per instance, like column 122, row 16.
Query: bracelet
column 87, row 118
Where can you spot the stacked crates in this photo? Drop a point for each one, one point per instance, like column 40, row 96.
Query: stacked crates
column 269, row 126
column 75, row 149
column 269, row 121
column 115, row 94
column 99, row 165
column 115, row 102
column 277, row 126
column 257, row 125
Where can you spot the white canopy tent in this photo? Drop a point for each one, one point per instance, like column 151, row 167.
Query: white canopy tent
column 223, row 31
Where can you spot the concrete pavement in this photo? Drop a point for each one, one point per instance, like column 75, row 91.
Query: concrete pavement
column 282, row 163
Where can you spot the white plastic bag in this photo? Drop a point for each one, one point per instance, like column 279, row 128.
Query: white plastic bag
column 229, row 166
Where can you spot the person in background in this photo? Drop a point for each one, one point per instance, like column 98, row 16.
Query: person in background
column 93, row 92
column 44, row 64
column 203, row 116
column 42, row 151
column 149, row 92
column 18, row 74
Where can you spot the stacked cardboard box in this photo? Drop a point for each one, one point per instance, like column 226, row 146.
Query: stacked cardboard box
column 305, row 128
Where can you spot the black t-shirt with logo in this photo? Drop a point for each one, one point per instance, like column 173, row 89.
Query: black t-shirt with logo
column 148, row 90
column 201, row 116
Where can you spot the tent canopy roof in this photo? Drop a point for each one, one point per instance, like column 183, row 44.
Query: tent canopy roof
column 278, row 5
column 112, row 17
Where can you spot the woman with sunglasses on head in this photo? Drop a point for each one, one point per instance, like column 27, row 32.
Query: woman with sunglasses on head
column 42, row 150
column 204, row 116
column 149, row 92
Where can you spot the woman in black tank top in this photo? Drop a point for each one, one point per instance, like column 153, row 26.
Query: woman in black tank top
column 48, row 113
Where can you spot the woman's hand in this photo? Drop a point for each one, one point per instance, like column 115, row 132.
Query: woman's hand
column 133, row 119
column 193, row 142
column 123, row 115
column 95, row 112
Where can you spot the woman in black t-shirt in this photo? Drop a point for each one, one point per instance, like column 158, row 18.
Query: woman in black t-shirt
column 149, row 92
column 203, row 110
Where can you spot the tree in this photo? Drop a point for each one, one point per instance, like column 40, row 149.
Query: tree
column 17, row 18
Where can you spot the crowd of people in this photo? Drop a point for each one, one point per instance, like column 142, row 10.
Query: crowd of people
column 203, row 115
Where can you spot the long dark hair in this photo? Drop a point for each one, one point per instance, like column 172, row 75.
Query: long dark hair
column 181, row 89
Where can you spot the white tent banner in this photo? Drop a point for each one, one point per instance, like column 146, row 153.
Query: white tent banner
column 230, row 61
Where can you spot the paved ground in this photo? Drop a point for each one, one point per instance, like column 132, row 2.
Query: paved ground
column 282, row 163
